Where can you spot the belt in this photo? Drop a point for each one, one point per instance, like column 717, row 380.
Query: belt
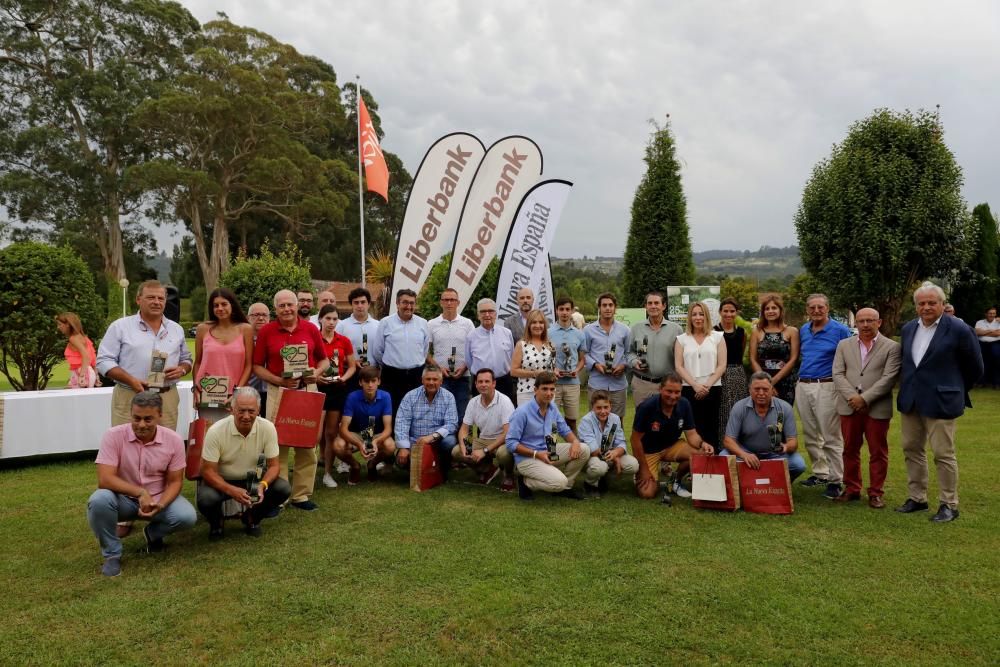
column 812, row 380
column 646, row 378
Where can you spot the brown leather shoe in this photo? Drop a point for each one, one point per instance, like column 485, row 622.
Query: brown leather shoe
column 847, row 497
column 876, row 502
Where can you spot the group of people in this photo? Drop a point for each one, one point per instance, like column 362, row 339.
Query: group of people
column 499, row 403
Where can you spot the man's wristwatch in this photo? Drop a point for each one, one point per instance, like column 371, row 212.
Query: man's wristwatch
column 436, row 437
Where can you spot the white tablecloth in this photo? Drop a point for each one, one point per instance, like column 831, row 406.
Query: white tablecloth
column 63, row 421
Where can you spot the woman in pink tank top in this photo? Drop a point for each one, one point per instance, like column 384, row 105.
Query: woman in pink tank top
column 79, row 352
column 223, row 345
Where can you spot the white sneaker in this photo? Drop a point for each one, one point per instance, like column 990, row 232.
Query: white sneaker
column 343, row 467
column 380, row 467
column 680, row 491
column 329, row 481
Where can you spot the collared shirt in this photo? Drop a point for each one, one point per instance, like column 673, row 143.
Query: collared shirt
column 399, row 343
column 418, row 417
column 922, row 339
column 749, row 429
column 145, row 465
column 235, row 453
column 817, row 349
column 598, row 343
column 661, row 431
column 866, row 349
column 272, row 337
column 129, row 344
column 361, row 335
column 448, row 337
column 489, row 419
column 342, row 346
column 659, row 347
column 528, row 427
column 361, row 410
column 489, row 348
column 567, row 338
column 981, row 324
column 590, row 432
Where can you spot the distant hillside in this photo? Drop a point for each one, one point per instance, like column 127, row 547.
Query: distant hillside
column 767, row 262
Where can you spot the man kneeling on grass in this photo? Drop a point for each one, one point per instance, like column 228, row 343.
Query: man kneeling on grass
column 660, row 421
column 601, row 430
column 366, row 427
column 489, row 412
column 427, row 416
column 140, row 471
column 531, row 439
column 233, row 447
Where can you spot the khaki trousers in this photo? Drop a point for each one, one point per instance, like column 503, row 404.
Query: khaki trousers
column 502, row 456
column 557, row 477
column 305, row 457
column 817, row 407
column 121, row 406
column 568, row 400
column 641, row 390
column 918, row 431
column 598, row 468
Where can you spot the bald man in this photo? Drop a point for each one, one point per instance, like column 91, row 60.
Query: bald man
column 865, row 368
column 515, row 322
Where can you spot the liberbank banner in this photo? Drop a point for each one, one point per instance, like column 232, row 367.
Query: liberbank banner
column 511, row 166
column 525, row 259
column 434, row 207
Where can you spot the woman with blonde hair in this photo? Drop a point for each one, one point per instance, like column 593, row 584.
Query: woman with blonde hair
column 774, row 347
column 79, row 352
column 700, row 360
column 533, row 354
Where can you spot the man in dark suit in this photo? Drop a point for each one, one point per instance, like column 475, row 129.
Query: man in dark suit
column 941, row 361
column 865, row 369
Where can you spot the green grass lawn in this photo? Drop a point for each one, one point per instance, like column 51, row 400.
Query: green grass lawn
column 466, row 575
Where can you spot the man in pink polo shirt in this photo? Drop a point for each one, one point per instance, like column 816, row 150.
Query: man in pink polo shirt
column 140, row 471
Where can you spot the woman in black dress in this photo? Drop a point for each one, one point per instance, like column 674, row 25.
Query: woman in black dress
column 734, row 380
column 774, row 348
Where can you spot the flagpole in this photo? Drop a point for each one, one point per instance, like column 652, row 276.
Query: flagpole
column 361, row 196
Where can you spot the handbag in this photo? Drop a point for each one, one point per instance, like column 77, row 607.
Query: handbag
column 767, row 490
column 299, row 417
column 195, row 442
column 707, row 474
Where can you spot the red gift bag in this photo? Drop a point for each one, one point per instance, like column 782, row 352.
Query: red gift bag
column 196, row 440
column 299, row 417
column 718, row 465
column 424, row 470
column 767, row 490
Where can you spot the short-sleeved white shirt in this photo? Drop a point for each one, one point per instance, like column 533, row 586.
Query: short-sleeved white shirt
column 489, row 419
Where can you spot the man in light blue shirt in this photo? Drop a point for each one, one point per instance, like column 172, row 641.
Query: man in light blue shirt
column 607, row 346
column 400, row 347
column 448, row 332
column 126, row 354
column 531, row 439
column 491, row 346
column 360, row 328
column 601, row 430
column 570, row 345
column 427, row 415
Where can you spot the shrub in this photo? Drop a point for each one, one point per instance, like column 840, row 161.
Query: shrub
column 259, row 278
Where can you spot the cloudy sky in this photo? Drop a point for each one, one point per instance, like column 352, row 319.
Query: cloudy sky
column 757, row 92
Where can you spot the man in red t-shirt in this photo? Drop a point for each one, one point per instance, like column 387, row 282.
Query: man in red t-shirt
column 269, row 365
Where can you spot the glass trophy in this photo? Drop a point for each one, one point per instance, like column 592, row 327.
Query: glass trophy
column 550, row 444
column 157, row 370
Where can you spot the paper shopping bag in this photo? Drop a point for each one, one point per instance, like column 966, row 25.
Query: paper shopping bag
column 195, row 441
column 425, row 473
column 716, row 466
column 767, row 490
column 299, row 417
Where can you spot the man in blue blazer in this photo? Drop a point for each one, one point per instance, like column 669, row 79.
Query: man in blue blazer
column 941, row 361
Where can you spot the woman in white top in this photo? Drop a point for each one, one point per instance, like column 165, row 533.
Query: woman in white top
column 700, row 360
column 532, row 355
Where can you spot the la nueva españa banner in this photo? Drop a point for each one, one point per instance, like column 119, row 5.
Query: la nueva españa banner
column 525, row 260
column 434, row 207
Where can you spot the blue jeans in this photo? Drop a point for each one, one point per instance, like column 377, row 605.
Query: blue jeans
column 459, row 387
column 106, row 508
column 796, row 464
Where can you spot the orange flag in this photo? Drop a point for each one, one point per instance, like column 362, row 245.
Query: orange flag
column 376, row 172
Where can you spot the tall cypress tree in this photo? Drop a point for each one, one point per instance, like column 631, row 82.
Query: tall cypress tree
column 658, row 251
column 978, row 288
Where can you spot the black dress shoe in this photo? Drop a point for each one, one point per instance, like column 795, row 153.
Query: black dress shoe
column 572, row 494
column 813, row 480
column 944, row 514
column 911, row 505
column 523, row 492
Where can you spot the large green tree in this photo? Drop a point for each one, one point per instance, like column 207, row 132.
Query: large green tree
column 235, row 133
column 978, row 285
column 658, row 250
column 883, row 212
column 72, row 73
